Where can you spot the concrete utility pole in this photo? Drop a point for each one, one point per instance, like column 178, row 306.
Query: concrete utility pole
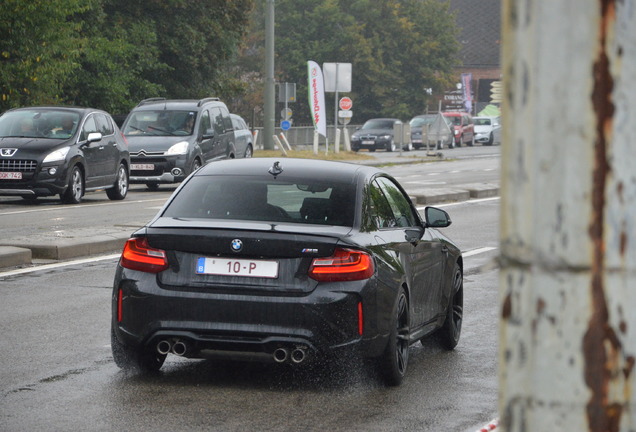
column 269, row 117
column 568, row 223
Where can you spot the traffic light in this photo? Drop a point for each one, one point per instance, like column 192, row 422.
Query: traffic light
column 496, row 92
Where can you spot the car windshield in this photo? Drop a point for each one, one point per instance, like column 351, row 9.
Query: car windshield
column 38, row 123
column 160, row 122
column 456, row 120
column 247, row 198
column 378, row 124
column 419, row 121
column 482, row 122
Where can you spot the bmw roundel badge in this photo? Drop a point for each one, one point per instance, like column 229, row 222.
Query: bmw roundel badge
column 237, row 245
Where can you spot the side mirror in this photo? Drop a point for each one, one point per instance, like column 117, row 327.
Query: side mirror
column 94, row 137
column 436, row 218
column 209, row 133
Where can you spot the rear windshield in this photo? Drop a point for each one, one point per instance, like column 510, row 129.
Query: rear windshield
column 162, row 122
column 247, row 198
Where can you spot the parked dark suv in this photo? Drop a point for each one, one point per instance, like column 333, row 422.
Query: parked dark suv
column 54, row 150
column 169, row 139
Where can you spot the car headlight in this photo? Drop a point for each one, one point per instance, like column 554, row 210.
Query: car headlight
column 57, row 155
column 177, row 149
column 386, row 137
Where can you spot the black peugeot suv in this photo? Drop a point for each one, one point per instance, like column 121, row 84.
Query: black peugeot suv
column 169, row 139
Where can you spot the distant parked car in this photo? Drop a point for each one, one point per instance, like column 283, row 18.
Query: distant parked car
column 244, row 140
column 169, row 139
column 487, row 130
column 463, row 128
column 376, row 134
column 68, row 151
column 287, row 261
column 420, row 126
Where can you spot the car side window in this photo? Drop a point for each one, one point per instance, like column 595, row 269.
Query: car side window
column 400, row 207
column 205, row 124
column 90, row 126
column 217, row 121
column 380, row 214
column 104, row 125
column 227, row 121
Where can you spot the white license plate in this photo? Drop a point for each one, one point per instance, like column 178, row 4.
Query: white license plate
column 11, row 175
column 237, row 267
column 368, row 142
column 142, row 167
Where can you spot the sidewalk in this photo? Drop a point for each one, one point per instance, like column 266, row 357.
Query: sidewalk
column 49, row 247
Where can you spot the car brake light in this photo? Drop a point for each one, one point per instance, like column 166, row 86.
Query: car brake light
column 343, row 265
column 138, row 255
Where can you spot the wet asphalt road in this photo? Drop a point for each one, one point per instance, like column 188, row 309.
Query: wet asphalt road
column 57, row 373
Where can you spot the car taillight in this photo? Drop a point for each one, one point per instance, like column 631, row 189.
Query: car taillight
column 138, row 255
column 343, row 265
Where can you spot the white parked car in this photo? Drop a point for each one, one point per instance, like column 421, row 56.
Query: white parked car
column 487, row 130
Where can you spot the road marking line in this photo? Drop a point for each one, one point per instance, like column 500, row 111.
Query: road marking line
column 59, row 265
column 478, row 251
column 79, row 207
column 472, row 201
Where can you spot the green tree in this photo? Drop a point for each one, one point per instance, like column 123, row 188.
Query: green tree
column 40, row 49
column 397, row 48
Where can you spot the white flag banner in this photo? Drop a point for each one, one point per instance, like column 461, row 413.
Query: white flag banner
column 317, row 98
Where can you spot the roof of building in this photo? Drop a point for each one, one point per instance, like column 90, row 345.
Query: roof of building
column 480, row 32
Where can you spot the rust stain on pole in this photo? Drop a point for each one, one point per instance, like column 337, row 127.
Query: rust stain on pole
column 601, row 347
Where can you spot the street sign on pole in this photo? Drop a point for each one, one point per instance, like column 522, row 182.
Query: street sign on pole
column 285, row 125
column 346, row 103
column 345, row 116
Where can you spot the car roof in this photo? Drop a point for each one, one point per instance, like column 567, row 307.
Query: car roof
column 176, row 104
column 75, row 109
column 292, row 167
column 384, row 118
column 455, row 113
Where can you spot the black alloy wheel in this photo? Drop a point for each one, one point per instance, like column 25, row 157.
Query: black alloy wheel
column 75, row 189
column 394, row 360
column 120, row 188
column 451, row 329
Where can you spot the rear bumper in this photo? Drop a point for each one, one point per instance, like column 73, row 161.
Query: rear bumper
column 253, row 325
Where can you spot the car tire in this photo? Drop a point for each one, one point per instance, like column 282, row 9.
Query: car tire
column 372, row 149
column 75, row 190
column 120, row 188
column 140, row 360
column 197, row 164
column 390, row 146
column 394, row 360
column 450, row 331
column 248, row 152
column 152, row 186
column 409, row 147
column 491, row 139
